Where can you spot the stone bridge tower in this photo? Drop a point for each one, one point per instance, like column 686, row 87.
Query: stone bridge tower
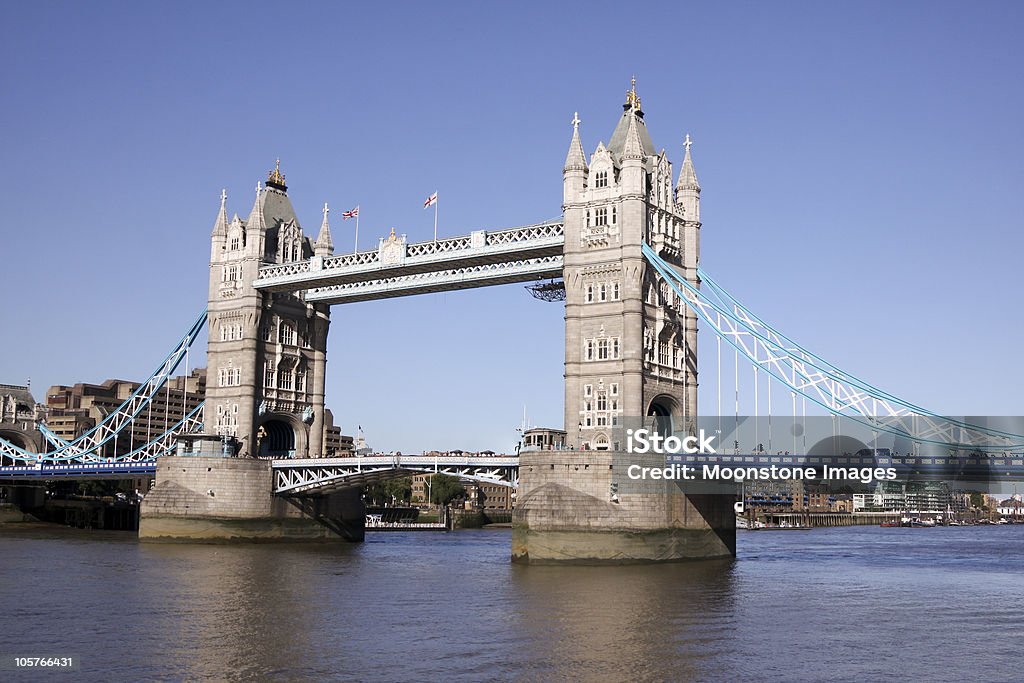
column 630, row 360
column 631, row 344
column 267, row 352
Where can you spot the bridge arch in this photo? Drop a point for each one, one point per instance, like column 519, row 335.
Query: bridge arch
column 284, row 436
column 22, row 439
column 662, row 408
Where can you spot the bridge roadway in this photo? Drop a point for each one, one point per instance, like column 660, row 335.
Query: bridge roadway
column 398, row 268
column 313, row 476
column 317, row 476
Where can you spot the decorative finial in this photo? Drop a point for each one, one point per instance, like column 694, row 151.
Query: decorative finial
column 576, row 120
column 259, row 188
column 632, row 101
column 276, row 178
column 223, row 198
column 326, row 210
column 687, row 142
column 392, row 238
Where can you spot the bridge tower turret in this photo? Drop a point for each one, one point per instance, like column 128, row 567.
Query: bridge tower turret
column 267, row 352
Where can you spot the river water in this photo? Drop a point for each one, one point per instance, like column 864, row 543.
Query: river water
column 853, row 603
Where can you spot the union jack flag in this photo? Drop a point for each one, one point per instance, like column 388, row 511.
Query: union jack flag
column 350, row 214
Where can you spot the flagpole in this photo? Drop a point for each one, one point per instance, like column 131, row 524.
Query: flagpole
column 435, row 216
column 355, row 249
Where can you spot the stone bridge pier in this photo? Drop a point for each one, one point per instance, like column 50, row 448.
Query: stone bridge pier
column 214, row 499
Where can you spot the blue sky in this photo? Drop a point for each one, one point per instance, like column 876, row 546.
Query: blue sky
column 860, row 163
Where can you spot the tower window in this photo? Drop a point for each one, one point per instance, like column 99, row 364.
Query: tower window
column 601, row 179
column 230, row 377
column 235, row 243
column 601, row 216
column 287, row 335
column 231, row 273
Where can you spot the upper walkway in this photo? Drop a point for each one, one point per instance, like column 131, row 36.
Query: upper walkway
column 400, row 268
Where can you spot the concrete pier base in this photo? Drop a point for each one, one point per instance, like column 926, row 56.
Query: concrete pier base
column 573, row 508
column 210, row 499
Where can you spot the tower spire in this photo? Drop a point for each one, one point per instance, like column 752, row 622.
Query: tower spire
column 687, row 176
column 634, row 148
column 324, row 244
column 688, row 189
column 220, row 226
column 575, row 160
column 255, row 221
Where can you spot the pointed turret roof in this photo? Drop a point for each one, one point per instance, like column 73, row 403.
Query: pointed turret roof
column 575, row 160
column 220, row 226
column 632, row 116
column 255, row 221
column 634, row 145
column 687, row 176
column 324, row 243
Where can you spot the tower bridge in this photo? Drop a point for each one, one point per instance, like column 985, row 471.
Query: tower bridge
column 627, row 253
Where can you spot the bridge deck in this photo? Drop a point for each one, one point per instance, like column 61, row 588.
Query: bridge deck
column 318, row 476
column 106, row 470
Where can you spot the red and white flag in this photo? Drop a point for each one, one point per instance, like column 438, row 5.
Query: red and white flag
column 432, row 199
column 350, row 214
